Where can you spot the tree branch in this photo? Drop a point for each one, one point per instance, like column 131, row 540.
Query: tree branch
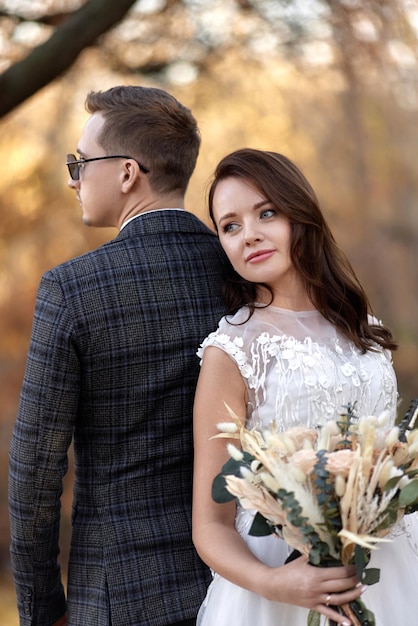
column 56, row 55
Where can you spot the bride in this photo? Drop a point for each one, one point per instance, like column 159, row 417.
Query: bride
column 299, row 345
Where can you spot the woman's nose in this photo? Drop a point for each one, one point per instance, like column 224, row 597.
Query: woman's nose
column 252, row 234
column 72, row 184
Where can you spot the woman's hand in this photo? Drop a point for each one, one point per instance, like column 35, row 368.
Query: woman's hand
column 315, row 588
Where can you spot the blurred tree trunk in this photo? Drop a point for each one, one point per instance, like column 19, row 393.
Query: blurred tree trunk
column 58, row 53
column 352, row 99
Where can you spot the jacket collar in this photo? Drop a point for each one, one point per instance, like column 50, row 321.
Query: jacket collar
column 163, row 221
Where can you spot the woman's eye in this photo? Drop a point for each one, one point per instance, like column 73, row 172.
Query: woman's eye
column 268, row 213
column 229, row 228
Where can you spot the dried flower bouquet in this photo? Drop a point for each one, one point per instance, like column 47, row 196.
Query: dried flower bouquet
column 332, row 493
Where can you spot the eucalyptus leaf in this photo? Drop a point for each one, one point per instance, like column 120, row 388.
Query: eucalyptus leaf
column 409, row 494
column 314, row 557
column 220, row 494
column 232, row 467
column 391, row 515
column 371, row 576
column 360, row 561
column 314, row 618
column 391, row 483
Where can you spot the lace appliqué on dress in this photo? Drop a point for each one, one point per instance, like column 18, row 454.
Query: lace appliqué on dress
column 405, row 527
column 306, row 382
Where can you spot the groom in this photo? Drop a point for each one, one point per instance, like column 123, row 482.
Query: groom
column 112, row 367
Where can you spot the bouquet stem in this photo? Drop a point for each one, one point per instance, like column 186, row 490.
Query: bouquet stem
column 350, row 614
column 356, row 612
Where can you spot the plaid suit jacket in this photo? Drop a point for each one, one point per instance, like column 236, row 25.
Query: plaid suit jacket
column 112, row 366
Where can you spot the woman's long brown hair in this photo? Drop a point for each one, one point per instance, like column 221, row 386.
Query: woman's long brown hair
column 328, row 277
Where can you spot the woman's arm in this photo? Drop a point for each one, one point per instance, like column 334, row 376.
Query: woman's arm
column 216, row 540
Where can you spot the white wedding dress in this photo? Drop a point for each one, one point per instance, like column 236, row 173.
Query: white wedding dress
column 300, row 370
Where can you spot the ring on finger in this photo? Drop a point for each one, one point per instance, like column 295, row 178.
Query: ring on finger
column 328, row 600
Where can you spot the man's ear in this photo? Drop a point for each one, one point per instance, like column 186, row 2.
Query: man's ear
column 130, row 175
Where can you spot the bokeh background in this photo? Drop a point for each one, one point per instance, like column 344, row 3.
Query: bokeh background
column 333, row 84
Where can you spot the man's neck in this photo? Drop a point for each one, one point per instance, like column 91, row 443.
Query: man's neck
column 151, row 203
column 149, row 211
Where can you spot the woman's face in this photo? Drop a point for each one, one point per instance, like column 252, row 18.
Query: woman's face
column 255, row 235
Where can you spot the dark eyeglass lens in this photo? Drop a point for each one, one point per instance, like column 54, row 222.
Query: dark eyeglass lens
column 74, row 171
column 73, row 167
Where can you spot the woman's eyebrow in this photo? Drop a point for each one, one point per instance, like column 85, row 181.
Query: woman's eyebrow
column 227, row 216
column 256, row 206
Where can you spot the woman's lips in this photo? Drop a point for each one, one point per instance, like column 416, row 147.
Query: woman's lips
column 259, row 256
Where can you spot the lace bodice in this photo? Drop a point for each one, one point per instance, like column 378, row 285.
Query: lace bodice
column 299, row 369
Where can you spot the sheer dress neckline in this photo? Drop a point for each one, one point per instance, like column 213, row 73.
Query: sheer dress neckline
column 290, row 312
column 299, row 369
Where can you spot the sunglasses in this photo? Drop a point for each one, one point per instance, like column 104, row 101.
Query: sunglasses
column 74, row 165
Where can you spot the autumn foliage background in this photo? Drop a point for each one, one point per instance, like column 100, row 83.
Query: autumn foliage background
column 330, row 83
